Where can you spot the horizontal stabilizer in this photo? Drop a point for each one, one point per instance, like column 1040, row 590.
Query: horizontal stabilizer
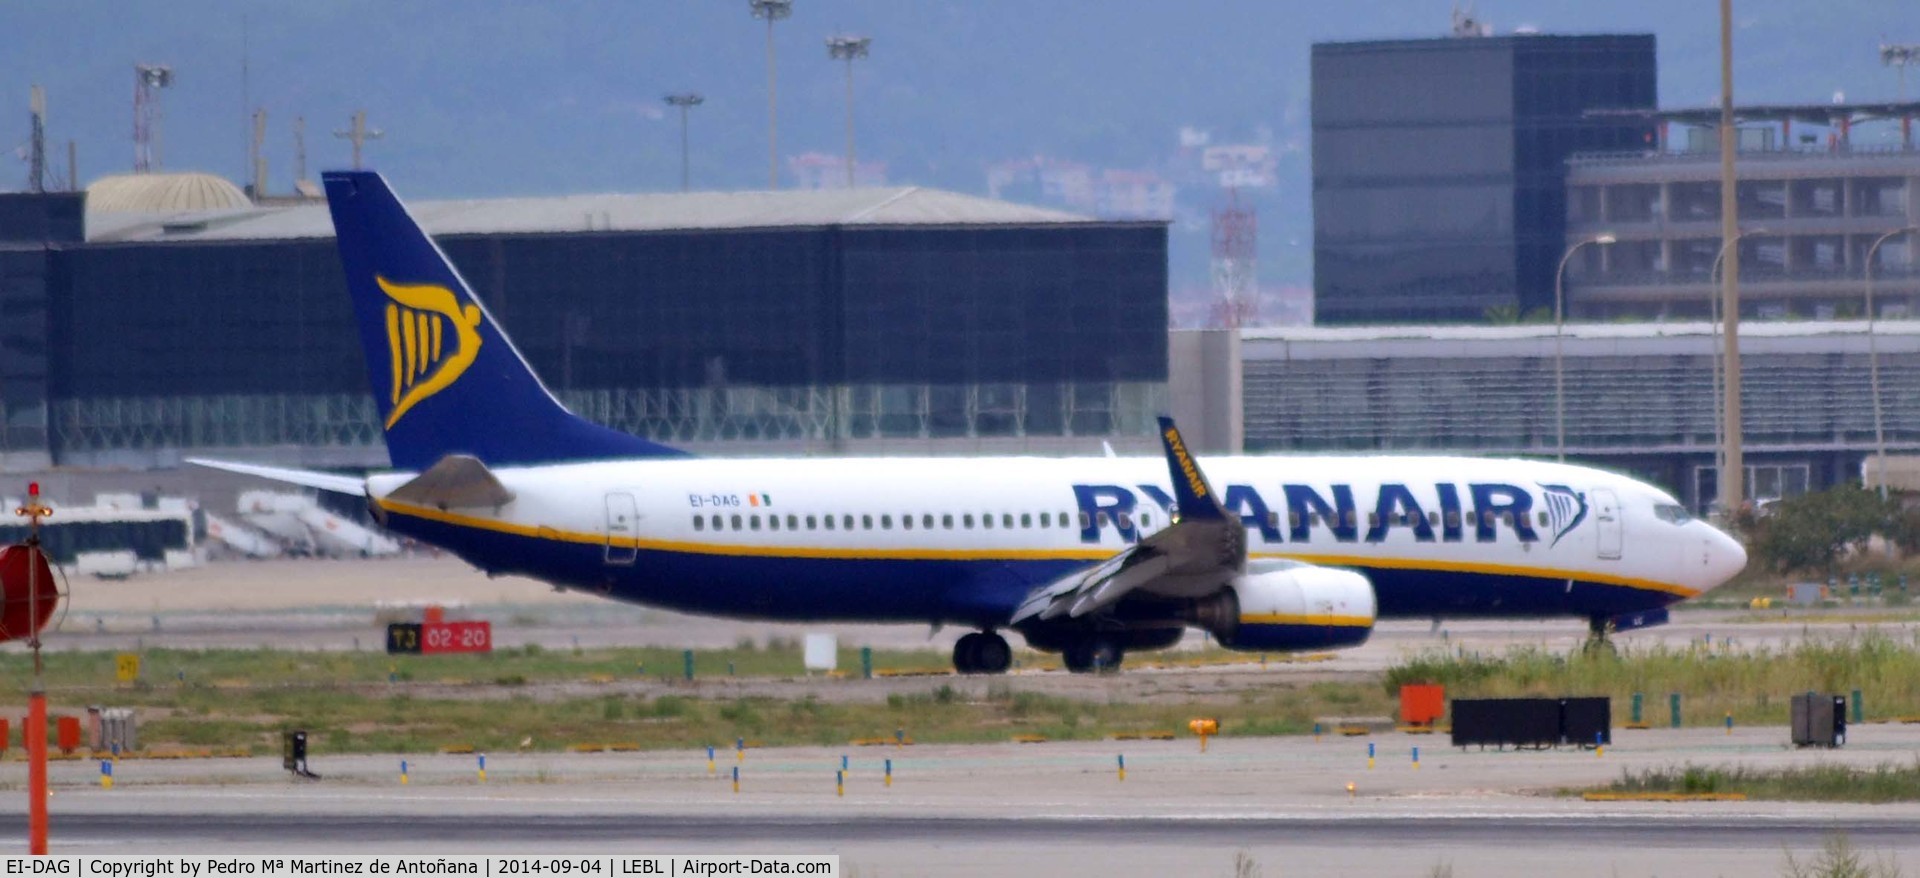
column 324, row 481
column 458, row 481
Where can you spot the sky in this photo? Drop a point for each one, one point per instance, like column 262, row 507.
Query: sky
column 480, row 98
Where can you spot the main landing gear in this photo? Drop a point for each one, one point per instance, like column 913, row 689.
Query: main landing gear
column 1093, row 655
column 982, row 652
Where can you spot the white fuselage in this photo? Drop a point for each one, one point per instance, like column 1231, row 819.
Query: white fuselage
column 964, row 540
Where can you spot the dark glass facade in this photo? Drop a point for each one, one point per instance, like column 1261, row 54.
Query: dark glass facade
column 656, row 310
column 32, row 229
column 685, row 335
column 1439, row 167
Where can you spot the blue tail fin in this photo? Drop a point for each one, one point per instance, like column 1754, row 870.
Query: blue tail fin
column 444, row 375
column 1193, row 498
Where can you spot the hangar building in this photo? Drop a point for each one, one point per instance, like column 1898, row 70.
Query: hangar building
column 863, row 321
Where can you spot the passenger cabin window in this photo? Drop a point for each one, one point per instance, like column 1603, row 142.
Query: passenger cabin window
column 699, row 523
column 986, row 520
column 946, row 520
column 736, row 521
column 1046, row 519
column 1083, row 521
column 1543, row 518
column 886, row 522
column 906, row 522
column 793, row 522
column 1026, row 519
column 1146, row 521
column 1125, row 520
column 773, row 522
column 926, row 521
column 753, row 522
column 717, row 523
column 1433, row 519
column 813, row 522
column 866, row 522
column 846, row 522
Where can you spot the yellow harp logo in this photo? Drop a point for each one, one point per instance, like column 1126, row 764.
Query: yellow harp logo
column 431, row 340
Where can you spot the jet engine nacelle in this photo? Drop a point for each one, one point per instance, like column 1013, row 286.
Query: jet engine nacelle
column 1290, row 606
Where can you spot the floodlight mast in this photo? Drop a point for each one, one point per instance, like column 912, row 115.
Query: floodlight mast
column 684, row 101
column 771, row 11
column 148, row 80
column 1732, row 481
column 848, row 48
column 1895, row 55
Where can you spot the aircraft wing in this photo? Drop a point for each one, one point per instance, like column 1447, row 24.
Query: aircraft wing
column 324, row 481
column 1194, row 556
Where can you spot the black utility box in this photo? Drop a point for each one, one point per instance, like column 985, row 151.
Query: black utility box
column 1587, row 722
column 1532, row 722
column 1819, row 720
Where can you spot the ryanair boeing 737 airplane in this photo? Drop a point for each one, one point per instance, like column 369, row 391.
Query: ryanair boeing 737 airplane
column 1089, row 557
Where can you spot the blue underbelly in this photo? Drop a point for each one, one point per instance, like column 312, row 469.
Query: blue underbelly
column 970, row 591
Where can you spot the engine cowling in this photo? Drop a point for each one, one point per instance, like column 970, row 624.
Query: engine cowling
column 1292, row 607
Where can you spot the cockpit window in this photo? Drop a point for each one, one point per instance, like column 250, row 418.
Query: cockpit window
column 1672, row 512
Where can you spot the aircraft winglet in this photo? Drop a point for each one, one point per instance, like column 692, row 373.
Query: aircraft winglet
column 1193, row 497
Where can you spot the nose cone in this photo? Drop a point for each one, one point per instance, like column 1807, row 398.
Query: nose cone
column 1725, row 558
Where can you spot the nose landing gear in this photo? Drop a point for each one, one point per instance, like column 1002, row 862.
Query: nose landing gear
column 982, row 652
column 1599, row 637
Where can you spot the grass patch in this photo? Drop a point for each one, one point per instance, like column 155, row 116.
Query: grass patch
column 507, row 701
column 1886, row 782
column 1755, row 686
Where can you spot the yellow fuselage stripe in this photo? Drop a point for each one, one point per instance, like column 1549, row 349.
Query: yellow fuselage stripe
column 1305, row 619
column 1092, row 554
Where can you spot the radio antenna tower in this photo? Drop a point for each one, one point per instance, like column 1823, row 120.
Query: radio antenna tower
column 299, row 151
column 37, row 146
column 1236, row 232
column 359, row 134
column 148, row 80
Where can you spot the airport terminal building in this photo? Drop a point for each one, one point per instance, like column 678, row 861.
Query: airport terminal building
column 866, row 321
column 1640, row 398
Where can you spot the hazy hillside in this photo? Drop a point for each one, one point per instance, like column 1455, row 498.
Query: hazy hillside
column 496, row 98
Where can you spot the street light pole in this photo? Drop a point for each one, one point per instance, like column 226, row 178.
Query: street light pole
column 685, row 101
column 1713, row 309
column 772, row 11
column 849, row 48
column 1873, row 359
column 1559, row 354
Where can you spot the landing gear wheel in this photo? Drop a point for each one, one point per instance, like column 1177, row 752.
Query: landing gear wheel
column 1093, row 655
column 966, row 652
column 982, row 652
